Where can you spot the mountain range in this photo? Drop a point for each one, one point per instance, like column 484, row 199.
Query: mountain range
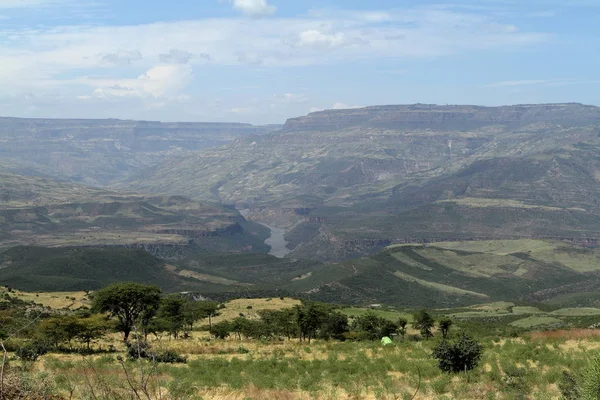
column 349, row 182
column 418, row 205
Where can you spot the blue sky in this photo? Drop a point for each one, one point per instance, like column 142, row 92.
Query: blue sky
column 262, row 61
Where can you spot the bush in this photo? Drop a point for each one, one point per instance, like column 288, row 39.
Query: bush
column 461, row 355
column 32, row 351
column 221, row 330
column 142, row 349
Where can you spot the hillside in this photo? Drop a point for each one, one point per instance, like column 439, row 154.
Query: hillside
column 457, row 274
column 349, row 182
column 42, row 212
column 82, row 268
column 102, row 151
column 444, row 275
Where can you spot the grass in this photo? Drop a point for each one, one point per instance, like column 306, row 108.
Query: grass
column 391, row 315
column 439, row 286
column 511, row 368
column 576, row 312
column 54, row 300
column 536, row 321
column 251, row 307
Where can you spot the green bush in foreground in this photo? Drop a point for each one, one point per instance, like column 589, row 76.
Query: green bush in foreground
column 461, row 355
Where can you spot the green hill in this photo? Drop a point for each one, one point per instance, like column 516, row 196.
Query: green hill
column 69, row 269
column 446, row 275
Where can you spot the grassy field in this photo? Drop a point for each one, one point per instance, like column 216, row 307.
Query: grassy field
column 54, row 300
column 522, row 368
column 530, row 366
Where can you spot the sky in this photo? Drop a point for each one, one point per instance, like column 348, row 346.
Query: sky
column 263, row 61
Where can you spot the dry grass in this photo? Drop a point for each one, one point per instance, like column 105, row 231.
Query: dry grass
column 250, row 308
column 55, row 300
column 573, row 334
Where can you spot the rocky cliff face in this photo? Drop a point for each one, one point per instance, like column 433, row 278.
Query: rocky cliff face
column 424, row 116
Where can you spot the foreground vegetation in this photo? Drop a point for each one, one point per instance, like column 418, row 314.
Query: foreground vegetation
column 281, row 349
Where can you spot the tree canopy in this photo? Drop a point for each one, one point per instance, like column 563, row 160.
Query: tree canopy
column 130, row 303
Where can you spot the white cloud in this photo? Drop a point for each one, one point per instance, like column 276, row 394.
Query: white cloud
column 291, row 98
column 254, row 8
column 145, row 62
column 240, row 110
column 122, row 57
column 177, row 56
column 317, row 39
column 160, row 81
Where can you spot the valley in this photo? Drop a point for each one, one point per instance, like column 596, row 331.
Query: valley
column 383, row 204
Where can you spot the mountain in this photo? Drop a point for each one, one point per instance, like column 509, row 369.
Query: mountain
column 98, row 152
column 42, row 212
column 350, row 182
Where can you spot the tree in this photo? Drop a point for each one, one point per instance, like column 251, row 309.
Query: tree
column 193, row 311
column 309, row 318
column 92, row 328
column 171, row 312
column 280, row 322
column 445, row 324
column 334, row 326
column 221, row 330
column 374, row 327
column 424, row 323
column 402, row 322
column 461, row 355
column 60, row 329
column 207, row 309
column 130, row 303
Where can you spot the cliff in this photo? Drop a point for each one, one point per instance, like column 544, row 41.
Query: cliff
column 434, row 117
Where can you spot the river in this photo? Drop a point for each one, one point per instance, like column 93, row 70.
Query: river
column 276, row 240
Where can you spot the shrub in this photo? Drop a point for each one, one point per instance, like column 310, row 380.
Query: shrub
column 461, row 355
column 142, row 349
column 32, row 351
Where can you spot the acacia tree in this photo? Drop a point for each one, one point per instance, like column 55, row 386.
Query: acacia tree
column 92, row 328
column 129, row 303
column 445, row 325
column 171, row 312
column 424, row 323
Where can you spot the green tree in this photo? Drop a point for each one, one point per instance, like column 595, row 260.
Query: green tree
column 335, row 325
column 309, row 318
column 130, row 303
column 193, row 311
column 445, row 324
column 461, row 355
column 171, row 311
column 402, row 323
column 207, row 309
column 424, row 322
column 280, row 322
column 92, row 328
column 374, row 327
column 221, row 330
column 59, row 330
